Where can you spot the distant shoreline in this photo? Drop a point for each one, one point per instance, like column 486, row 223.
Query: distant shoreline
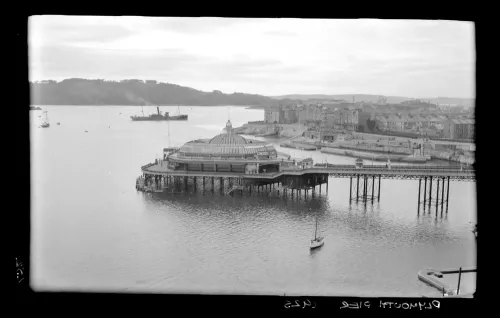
column 246, row 106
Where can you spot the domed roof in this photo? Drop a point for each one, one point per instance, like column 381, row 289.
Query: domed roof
column 226, row 144
column 228, row 138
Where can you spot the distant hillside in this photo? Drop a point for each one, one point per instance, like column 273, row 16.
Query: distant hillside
column 357, row 97
column 468, row 102
column 76, row 91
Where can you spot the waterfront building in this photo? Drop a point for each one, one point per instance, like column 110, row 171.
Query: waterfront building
column 389, row 122
column 310, row 113
column 273, row 115
column 226, row 152
column 459, row 129
column 362, row 118
column 289, row 115
column 341, row 118
column 329, row 119
column 322, row 134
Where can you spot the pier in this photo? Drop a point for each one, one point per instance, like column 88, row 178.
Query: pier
column 230, row 164
column 434, row 181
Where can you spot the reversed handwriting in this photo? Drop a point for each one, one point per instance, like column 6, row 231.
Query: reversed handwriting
column 299, row 304
column 435, row 304
column 355, row 305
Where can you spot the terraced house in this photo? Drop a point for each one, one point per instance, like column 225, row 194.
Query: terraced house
column 459, row 129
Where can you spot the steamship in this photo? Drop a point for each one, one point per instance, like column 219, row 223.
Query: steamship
column 158, row 116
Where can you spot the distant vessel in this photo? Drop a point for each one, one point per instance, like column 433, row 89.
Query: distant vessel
column 154, row 117
column 318, row 240
column 158, row 116
column 35, row 108
column 45, row 123
column 178, row 116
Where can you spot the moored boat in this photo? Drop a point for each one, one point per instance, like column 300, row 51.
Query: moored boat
column 45, row 123
column 318, row 240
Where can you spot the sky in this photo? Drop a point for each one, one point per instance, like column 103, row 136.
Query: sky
column 271, row 57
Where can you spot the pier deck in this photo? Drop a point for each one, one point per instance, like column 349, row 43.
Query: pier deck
column 339, row 171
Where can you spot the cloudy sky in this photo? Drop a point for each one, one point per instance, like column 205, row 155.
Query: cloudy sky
column 411, row 58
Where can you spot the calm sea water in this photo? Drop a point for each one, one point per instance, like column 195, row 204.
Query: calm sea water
column 92, row 231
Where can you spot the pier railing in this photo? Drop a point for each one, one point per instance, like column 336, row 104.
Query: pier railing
column 391, row 172
column 396, row 167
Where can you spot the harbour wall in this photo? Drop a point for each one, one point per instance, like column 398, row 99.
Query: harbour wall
column 262, row 128
column 373, row 156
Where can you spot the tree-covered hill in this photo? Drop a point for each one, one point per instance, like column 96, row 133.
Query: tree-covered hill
column 77, row 91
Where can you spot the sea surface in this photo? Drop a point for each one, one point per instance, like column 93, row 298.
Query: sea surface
column 92, row 231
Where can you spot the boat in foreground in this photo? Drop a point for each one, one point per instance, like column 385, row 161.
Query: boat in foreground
column 318, row 240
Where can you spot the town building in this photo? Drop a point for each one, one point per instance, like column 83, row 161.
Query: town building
column 309, row 113
column 362, row 118
column 273, row 115
column 459, row 129
column 290, row 115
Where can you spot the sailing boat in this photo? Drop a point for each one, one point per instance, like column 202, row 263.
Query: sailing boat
column 318, row 240
column 45, row 123
column 178, row 116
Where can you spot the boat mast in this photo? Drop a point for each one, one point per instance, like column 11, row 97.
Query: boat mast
column 142, row 108
column 316, row 230
column 168, row 127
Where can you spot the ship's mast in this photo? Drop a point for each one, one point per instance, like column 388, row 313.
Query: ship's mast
column 316, row 230
column 168, row 130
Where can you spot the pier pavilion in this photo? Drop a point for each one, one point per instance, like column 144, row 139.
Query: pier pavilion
column 229, row 162
column 226, row 152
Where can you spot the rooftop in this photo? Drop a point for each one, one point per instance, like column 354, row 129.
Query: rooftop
column 226, row 144
column 462, row 121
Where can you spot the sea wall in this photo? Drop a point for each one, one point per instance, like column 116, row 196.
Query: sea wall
column 255, row 129
column 261, row 128
column 373, row 156
column 450, row 156
column 293, row 130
